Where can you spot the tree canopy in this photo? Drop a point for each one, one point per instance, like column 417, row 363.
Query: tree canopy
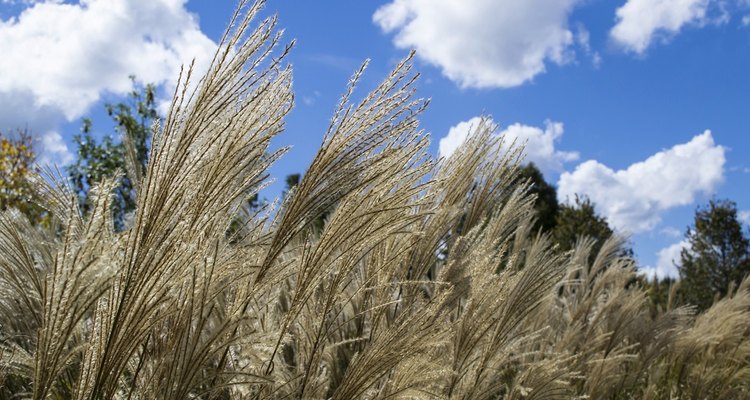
column 546, row 205
column 98, row 160
column 577, row 220
column 718, row 255
column 566, row 222
column 17, row 157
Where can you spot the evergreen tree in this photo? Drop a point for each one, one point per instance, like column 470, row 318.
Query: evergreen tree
column 718, row 256
column 292, row 180
column 567, row 223
column 578, row 220
column 546, row 205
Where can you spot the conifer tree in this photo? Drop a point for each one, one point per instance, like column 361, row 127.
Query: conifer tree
column 718, row 256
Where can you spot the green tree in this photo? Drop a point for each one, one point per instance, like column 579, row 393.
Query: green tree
column 98, row 160
column 17, row 159
column 292, row 180
column 577, row 220
column 566, row 222
column 718, row 255
column 546, row 205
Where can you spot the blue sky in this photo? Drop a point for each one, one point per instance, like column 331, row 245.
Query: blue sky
column 643, row 105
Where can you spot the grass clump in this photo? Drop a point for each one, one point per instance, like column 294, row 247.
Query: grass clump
column 425, row 281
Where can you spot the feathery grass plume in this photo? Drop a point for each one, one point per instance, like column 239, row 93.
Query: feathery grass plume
column 371, row 169
column 349, row 152
column 595, row 315
column 491, row 330
column 21, row 299
column 172, row 286
column 711, row 359
column 78, row 276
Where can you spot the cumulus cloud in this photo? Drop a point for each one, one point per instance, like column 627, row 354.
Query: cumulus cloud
column 457, row 134
column 671, row 231
column 53, row 150
column 539, row 143
column 583, row 38
column 26, row 2
column 58, row 59
column 744, row 216
column 666, row 259
column 41, row 122
column 484, row 44
column 633, row 199
column 639, row 22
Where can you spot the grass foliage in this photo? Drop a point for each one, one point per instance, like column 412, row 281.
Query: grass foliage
column 426, row 280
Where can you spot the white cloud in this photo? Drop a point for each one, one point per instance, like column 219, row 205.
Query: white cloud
column 58, row 59
column 671, row 232
column 744, row 216
column 457, row 134
column 633, row 199
column 665, row 264
column 639, row 22
column 27, row 2
column 484, row 44
column 583, row 39
column 67, row 55
column 596, row 60
column 17, row 112
column 539, row 143
column 310, row 100
column 53, row 150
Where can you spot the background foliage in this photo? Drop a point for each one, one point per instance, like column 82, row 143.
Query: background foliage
column 718, row 258
column 110, row 157
column 17, row 165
